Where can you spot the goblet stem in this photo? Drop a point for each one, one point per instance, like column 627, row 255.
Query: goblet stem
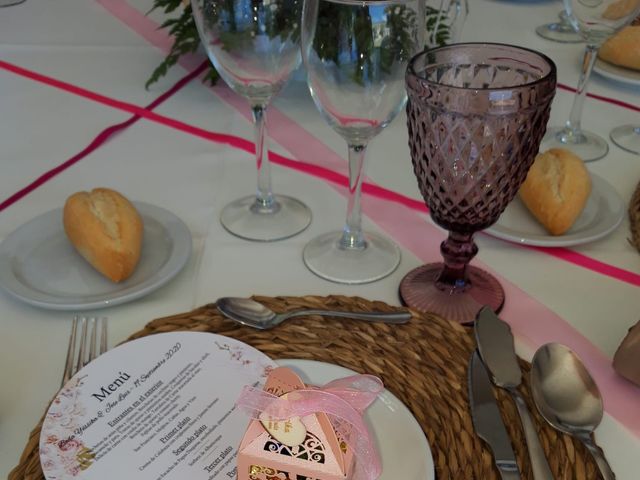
column 575, row 118
column 457, row 250
column 352, row 236
column 265, row 203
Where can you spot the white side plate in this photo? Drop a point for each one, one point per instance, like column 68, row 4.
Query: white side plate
column 39, row 266
column 601, row 215
column 403, row 448
column 619, row 74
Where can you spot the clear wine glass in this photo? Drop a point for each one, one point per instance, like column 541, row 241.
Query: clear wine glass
column 561, row 31
column 476, row 115
column 255, row 45
column 595, row 20
column 627, row 137
column 355, row 53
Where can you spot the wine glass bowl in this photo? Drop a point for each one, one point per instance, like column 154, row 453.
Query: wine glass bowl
column 476, row 115
column 355, row 53
column 255, row 46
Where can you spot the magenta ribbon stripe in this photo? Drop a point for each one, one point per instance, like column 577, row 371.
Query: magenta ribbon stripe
column 418, row 237
column 620, row 396
column 247, row 146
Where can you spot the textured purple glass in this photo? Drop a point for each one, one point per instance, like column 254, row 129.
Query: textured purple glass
column 476, row 116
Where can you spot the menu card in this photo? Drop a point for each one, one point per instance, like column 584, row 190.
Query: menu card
column 160, row 407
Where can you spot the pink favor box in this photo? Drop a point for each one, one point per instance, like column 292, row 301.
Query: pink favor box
column 322, row 455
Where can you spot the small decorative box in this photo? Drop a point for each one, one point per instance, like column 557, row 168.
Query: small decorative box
column 308, row 447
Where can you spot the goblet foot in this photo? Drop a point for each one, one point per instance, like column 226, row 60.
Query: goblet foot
column 419, row 289
column 327, row 258
column 627, row 137
column 559, row 32
column 247, row 219
column 588, row 146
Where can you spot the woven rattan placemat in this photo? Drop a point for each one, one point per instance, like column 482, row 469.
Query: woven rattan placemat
column 424, row 363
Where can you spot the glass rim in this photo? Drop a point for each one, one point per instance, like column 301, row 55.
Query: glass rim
column 552, row 70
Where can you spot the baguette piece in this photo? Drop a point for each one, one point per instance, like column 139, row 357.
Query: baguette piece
column 623, row 49
column 106, row 229
column 556, row 189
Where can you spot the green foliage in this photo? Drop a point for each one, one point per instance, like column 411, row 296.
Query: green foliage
column 186, row 40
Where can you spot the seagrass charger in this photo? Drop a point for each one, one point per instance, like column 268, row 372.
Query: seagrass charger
column 423, row 363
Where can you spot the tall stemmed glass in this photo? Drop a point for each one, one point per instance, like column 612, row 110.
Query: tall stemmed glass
column 595, row 20
column 476, row 115
column 355, row 53
column 255, row 45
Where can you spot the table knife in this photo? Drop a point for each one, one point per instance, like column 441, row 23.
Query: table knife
column 495, row 345
column 487, row 420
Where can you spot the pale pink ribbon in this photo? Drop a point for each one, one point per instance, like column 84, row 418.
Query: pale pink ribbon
column 343, row 400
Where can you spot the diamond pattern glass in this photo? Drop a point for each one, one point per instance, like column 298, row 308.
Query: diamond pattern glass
column 476, row 115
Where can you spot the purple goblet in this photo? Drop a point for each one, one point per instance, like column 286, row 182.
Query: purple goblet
column 476, row 115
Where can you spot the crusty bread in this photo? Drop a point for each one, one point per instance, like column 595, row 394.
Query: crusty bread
column 620, row 9
column 106, row 229
column 623, row 48
column 556, row 189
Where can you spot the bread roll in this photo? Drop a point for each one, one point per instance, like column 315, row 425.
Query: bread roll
column 556, row 189
column 623, row 49
column 106, row 229
column 620, row 9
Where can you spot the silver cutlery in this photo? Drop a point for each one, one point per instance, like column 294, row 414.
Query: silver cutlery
column 487, row 420
column 84, row 346
column 568, row 398
column 495, row 344
column 253, row 314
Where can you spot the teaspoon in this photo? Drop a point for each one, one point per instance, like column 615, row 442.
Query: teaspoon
column 568, row 398
column 253, row 314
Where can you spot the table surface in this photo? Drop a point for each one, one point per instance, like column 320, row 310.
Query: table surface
column 110, row 48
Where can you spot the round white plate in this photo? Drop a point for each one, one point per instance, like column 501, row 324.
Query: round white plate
column 403, row 448
column 162, row 406
column 619, row 74
column 39, row 266
column 601, row 215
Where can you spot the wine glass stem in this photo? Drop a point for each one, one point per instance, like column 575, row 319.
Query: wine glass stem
column 590, row 54
column 457, row 250
column 265, row 202
column 352, row 236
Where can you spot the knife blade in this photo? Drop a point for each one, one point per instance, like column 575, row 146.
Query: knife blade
column 487, row 420
column 496, row 348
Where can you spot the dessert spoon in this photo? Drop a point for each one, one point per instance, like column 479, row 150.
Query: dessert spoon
column 568, row 398
column 253, row 314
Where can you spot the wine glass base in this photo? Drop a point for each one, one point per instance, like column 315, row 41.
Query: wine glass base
column 559, row 32
column 325, row 257
column 288, row 218
column 588, row 146
column 627, row 137
column 420, row 291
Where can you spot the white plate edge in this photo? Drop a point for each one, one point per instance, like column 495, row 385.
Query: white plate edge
column 558, row 242
column 167, row 272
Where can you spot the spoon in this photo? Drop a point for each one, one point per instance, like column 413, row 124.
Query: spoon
column 568, row 398
column 253, row 314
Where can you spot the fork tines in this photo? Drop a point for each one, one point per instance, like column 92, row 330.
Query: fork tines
column 83, row 345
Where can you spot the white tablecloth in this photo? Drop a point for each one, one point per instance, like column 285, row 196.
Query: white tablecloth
column 80, row 42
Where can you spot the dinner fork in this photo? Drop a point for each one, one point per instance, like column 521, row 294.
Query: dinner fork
column 85, row 344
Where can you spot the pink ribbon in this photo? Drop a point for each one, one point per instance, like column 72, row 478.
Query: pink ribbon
column 343, row 400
